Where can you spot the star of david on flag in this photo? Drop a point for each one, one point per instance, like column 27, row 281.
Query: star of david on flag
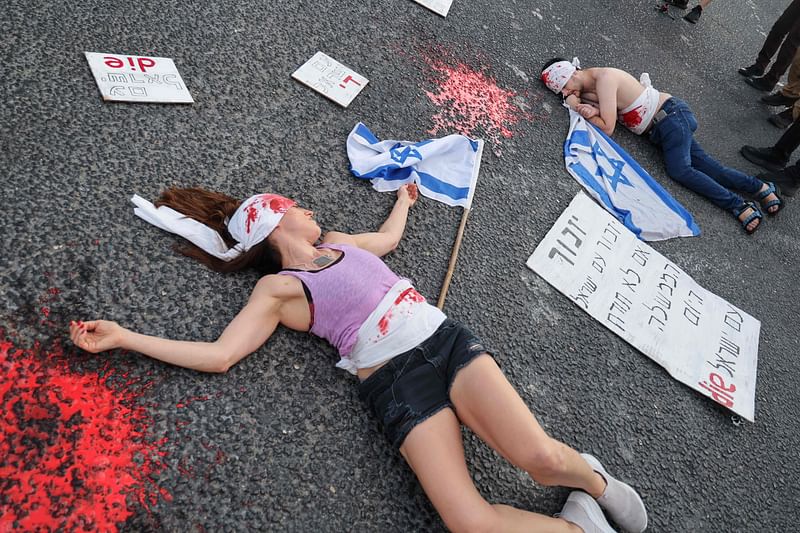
column 619, row 184
column 400, row 153
column 444, row 169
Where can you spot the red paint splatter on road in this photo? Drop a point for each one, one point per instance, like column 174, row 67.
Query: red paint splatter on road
column 471, row 102
column 75, row 447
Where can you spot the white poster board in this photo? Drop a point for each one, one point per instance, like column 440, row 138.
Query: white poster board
column 440, row 7
column 122, row 78
column 330, row 78
column 700, row 339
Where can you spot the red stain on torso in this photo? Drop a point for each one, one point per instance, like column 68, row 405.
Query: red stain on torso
column 410, row 295
column 383, row 323
column 402, row 305
column 632, row 118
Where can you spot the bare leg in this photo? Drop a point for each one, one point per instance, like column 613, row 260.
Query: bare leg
column 435, row 453
column 487, row 403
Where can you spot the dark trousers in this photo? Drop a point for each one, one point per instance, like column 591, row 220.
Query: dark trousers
column 786, row 30
column 790, row 139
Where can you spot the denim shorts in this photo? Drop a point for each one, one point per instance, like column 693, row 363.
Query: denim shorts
column 416, row 384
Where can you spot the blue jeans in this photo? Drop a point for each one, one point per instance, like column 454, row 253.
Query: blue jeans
column 688, row 164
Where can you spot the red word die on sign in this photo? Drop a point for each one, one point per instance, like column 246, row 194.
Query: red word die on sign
column 143, row 62
column 721, row 393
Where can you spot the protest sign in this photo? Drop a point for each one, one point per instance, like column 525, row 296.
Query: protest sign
column 330, row 78
column 440, row 7
column 700, row 339
column 124, row 78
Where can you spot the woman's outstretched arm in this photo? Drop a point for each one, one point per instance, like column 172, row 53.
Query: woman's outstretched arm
column 245, row 334
column 388, row 236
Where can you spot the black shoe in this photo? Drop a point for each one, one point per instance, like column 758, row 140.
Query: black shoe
column 694, row 15
column 680, row 4
column 778, row 99
column 768, row 158
column 782, row 120
column 752, row 70
column 787, row 180
column 761, row 83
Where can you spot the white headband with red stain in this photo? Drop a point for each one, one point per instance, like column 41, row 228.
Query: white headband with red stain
column 556, row 76
column 252, row 222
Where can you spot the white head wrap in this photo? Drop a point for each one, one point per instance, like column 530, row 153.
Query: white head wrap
column 558, row 74
column 252, row 222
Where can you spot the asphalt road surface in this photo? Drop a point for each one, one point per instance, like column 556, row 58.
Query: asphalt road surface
column 281, row 442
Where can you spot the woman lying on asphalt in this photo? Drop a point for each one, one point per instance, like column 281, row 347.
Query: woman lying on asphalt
column 421, row 373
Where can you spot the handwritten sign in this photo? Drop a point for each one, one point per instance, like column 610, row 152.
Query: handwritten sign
column 440, row 7
column 700, row 339
column 123, row 78
column 329, row 77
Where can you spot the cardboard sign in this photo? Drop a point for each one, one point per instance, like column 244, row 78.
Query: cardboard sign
column 440, row 7
column 329, row 77
column 123, row 78
column 700, row 339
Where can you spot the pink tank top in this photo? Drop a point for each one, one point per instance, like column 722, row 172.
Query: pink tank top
column 342, row 295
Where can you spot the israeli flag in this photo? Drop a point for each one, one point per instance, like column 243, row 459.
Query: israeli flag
column 619, row 184
column 444, row 169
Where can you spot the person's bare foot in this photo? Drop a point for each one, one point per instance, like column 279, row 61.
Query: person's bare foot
column 749, row 216
column 768, row 199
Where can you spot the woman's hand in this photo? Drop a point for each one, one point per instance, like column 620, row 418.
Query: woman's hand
column 587, row 111
column 96, row 336
column 408, row 192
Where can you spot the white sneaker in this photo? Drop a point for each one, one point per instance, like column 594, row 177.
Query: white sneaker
column 583, row 511
column 621, row 502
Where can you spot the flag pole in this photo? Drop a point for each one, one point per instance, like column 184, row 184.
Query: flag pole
column 460, row 234
column 453, row 259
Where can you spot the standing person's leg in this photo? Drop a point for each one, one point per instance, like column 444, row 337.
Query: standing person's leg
column 789, row 93
column 792, row 87
column 785, row 56
column 435, row 452
column 775, row 157
column 774, row 39
column 789, row 141
column 489, row 405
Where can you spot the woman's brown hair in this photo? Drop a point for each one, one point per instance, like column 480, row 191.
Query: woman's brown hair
column 213, row 209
